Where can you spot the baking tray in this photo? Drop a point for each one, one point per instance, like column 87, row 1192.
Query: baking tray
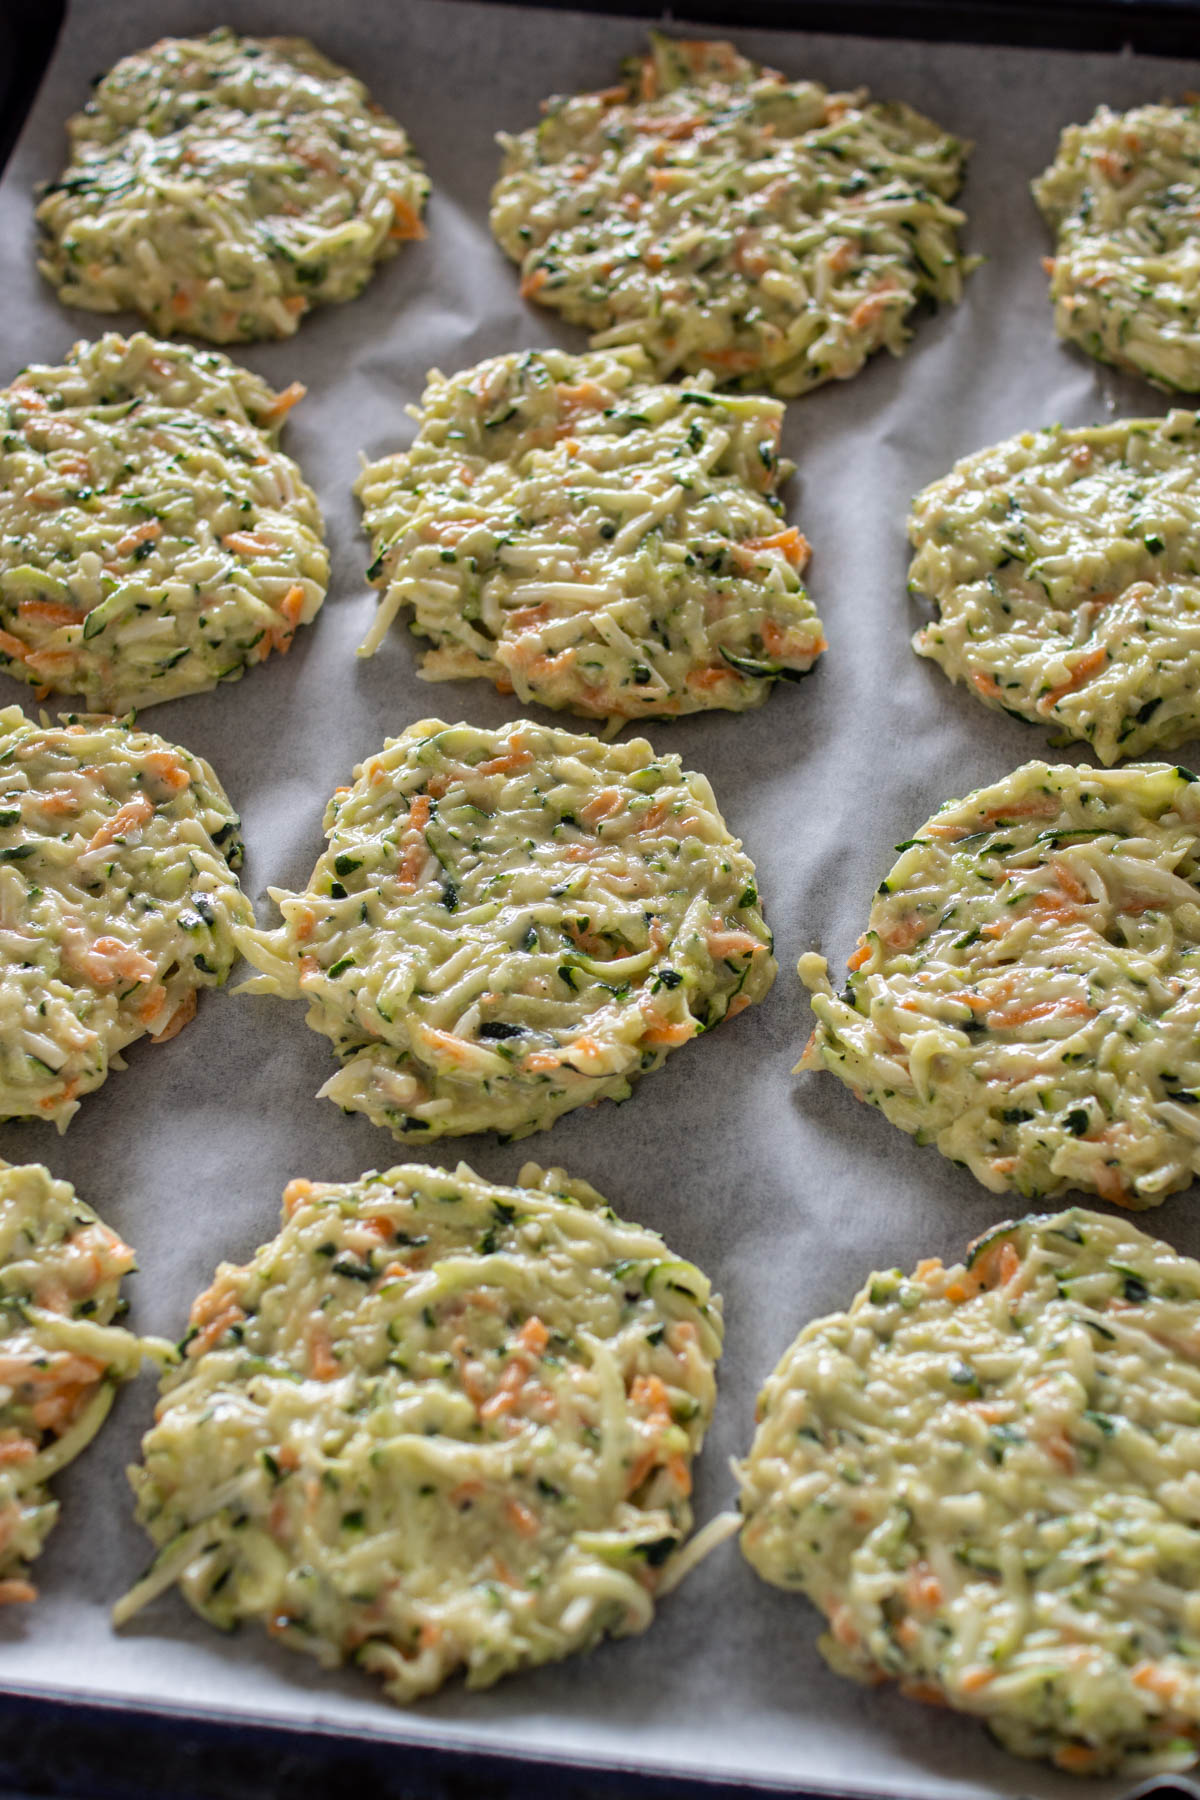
column 784, row 1190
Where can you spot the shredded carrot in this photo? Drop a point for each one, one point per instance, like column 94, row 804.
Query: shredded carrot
column 582, row 396
column 906, row 932
column 997, row 1266
column 408, row 869
column 215, row 1330
column 641, row 1467
column 247, row 543
column 737, row 361
column 1077, row 1759
column 166, row 767
column 922, row 1589
column 664, row 1031
column 131, row 817
column 14, row 1591
column 521, row 1518
column 1111, row 1185
column 873, row 305
column 923, row 1691
column 295, row 1193
column 48, row 612
column 1069, row 883
column 986, row 684
column 533, row 1336
column 794, row 544
column 408, row 220
column 607, row 802
column 290, row 607
column 57, row 803
column 1083, row 670
column 533, row 283
column 68, row 1091
column 1005, row 1019
column 512, row 760
column 153, row 1003
column 323, row 1363
column 1038, row 806
column 524, row 618
column 1156, row 1678
column 677, row 1468
column 283, row 403
column 107, row 958
column 507, row 1392
column 732, row 943
column 716, row 675
column 139, row 534
column 455, row 1049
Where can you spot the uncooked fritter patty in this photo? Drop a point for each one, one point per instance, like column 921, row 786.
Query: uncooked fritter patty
column 435, row 1424
column 726, row 219
column 1065, row 570
column 1123, row 197
column 985, row 1478
column 224, row 186
column 60, row 1358
column 154, row 540
column 586, row 538
column 508, row 924
column 1027, row 993
column 117, row 902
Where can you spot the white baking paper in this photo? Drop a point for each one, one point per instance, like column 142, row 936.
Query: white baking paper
column 783, row 1188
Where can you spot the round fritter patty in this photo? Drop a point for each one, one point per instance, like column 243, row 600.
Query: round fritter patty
column 154, row 540
column 434, row 1425
column 1064, row 567
column 224, row 186
column 508, row 924
column 1123, row 198
column 1027, row 993
column 985, row 1478
column 117, row 902
column 60, row 1358
column 726, row 219
column 588, row 539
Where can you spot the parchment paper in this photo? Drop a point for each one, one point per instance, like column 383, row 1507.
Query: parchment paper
column 783, row 1188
